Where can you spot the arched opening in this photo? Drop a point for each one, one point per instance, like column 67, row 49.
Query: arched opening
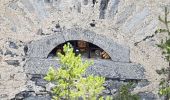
column 86, row 49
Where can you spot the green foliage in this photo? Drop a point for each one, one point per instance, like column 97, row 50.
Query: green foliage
column 125, row 94
column 165, row 46
column 69, row 80
column 165, row 88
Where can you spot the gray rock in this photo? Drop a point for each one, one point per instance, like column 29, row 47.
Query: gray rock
column 123, row 16
column 116, row 85
column 13, row 6
column 147, row 96
column 40, row 9
column 48, row 1
column 8, row 53
column 41, row 48
column 38, row 98
column 13, row 45
column 105, row 68
column 39, row 32
column 106, row 91
column 23, row 94
column 135, row 20
column 85, row 2
column 114, row 91
column 25, row 49
column 143, row 83
column 49, row 86
column 103, row 7
column 27, row 4
column 13, row 62
column 1, row 52
column 3, row 96
column 79, row 7
column 14, row 29
column 114, row 8
column 41, row 82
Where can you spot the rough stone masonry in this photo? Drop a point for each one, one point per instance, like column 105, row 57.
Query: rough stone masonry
column 30, row 29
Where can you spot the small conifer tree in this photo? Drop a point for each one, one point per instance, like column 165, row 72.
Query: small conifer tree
column 70, row 80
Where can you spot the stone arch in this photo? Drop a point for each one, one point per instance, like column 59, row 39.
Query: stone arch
column 87, row 51
column 41, row 48
column 119, row 67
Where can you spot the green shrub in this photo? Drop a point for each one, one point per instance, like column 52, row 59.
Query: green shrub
column 69, row 80
column 125, row 94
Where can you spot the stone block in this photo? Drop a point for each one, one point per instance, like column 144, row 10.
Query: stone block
column 13, row 45
column 13, row 62
column 105, row 68
column 38, row 98
column 43, row 47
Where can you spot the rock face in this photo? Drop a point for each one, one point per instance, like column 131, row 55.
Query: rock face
column 30, row 29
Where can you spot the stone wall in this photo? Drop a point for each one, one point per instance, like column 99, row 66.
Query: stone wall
column 129, row 23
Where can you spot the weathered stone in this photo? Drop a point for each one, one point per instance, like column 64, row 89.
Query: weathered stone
column 79, row 7
column 23, row 94
column 125, row 14
column 72, row 34
column 8, row 53
column 13, row 6
column 1, row 58
column 13, row 45
column 40, row 10
column 42, row 47
column 14, row 29
column 147, row 96
column 48, row 1
column 135, row 20
column 27, row 4
column 143, row 83
column 114, row 8
column 38, row 98
column 13, row 62
column 3, row 96
column 117, row 52
column 1, row 52
column 104, row 68
column 85, row 2
column 106, row 91
column 25, row 49
column 35, row 77
column 103, row 7
column 40, row 32
column 49, row 86
column 39, row 80
column 113, row 91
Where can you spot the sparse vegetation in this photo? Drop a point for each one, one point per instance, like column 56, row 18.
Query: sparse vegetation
column 165, row 46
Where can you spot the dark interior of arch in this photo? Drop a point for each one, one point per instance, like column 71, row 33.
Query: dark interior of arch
column 86, row 49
